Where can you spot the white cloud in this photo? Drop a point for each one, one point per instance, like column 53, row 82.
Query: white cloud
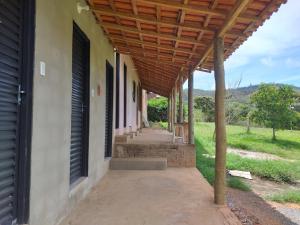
column 235, row 62
column 293, row 62
column 267, row 61
column 278, row 34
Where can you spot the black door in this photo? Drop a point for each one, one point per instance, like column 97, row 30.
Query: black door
column 117, row 90
column 16, row 59
column 125, row 95
column 80, row 106
column 109, row 109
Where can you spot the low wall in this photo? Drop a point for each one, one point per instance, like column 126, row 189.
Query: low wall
column 177, row 155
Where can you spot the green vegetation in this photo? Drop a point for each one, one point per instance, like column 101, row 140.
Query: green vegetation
column 237, row 183
column 207, row 107
column 274, row 107
column 158, row 109
column 286, row 146
column 276, row 170
column 287, row 196
column 206, row 165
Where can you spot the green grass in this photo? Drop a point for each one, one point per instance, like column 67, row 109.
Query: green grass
column 279, row 171
column 237, row 183
column 207, row 167
column 287, row 144
column 287, row 197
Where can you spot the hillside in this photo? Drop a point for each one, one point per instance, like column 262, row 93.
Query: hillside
column 241, row 94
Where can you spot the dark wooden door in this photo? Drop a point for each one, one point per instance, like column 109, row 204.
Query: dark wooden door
column 16, row 58
column 80, row 106
column 109, row 109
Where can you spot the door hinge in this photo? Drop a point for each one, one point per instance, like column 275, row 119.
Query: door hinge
column 20, row 93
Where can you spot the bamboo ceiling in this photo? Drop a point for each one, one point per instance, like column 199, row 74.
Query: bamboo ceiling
column 169, row 37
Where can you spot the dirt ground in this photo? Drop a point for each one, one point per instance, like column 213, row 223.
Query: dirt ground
column 253, row 210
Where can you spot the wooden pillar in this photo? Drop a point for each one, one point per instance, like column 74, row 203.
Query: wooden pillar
column 141, row 108
column 191, row 106
column 220, row 161
column 171, row 111
column 169, row 114
column 174, row 108
column 180, row 99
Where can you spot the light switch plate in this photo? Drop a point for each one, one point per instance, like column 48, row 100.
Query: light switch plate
column 43, row 69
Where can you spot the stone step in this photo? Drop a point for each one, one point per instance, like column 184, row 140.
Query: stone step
column 138, row 164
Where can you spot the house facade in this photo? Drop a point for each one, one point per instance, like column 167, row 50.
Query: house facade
column 71, row 80
column 69, row 95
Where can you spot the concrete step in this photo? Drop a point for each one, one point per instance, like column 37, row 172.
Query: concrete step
column 121, row 139
column 138, row 164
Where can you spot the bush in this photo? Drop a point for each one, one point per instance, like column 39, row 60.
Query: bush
column 158, row 109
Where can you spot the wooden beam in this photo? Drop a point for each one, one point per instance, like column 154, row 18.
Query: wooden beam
column 196, row 9
column 206, row 22
column 230, row 19
column 151, row 33
column 155, row 67
column 164, row 76
column 154, row 20
column 155, row 54
column 151, row 44
column 165, row 73
column 159, row 62
column 154, row 89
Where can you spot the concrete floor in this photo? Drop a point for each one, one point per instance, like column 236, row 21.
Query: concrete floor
column 176, row 196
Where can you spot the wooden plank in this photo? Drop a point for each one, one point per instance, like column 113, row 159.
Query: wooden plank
column 153, row 20
column 196, row 9
column 231, row 18
column 151, row 44
column 151, row 33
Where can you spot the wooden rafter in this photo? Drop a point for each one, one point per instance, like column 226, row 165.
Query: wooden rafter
column 167, row 38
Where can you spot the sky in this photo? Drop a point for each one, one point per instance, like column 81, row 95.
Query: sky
column 270, row 55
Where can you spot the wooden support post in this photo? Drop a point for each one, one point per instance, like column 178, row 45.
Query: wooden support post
column 169, row 114
column 191, row 106
column 174, row 108
column 220, row 161
column 180, row 100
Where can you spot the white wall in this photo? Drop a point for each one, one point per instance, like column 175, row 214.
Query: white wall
column 51, row 196
column 132, row 75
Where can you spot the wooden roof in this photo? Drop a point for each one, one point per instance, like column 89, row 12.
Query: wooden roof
column 169, row 37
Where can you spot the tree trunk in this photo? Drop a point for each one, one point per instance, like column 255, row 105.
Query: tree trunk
column 248, row 125
column 274, row 135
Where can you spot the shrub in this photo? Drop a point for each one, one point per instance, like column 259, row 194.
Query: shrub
column 158, row 109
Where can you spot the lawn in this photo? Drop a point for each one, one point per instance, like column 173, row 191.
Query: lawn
column 258, row 140
column 287, row 196
column 287, row 144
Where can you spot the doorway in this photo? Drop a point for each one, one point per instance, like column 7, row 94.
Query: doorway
column 109, row 109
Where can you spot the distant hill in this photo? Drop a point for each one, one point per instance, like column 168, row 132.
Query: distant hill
column 241, row 94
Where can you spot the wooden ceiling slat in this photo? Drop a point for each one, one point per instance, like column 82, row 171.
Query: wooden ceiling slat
column 166, row 38
column 150, row 33
column 195, row 9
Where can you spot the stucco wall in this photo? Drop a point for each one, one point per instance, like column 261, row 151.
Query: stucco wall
column 51, row 196
column 131, row 106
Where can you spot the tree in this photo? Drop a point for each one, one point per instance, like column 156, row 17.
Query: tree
column 207, row 107
column 158, row 109
column 274, row 106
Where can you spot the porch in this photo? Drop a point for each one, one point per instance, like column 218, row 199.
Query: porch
column 166, row 197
